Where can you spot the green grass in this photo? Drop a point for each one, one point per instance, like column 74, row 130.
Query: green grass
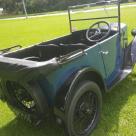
column 119, row 106
column 31, row 31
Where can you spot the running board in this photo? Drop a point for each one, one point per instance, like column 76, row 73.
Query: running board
column 124, row 73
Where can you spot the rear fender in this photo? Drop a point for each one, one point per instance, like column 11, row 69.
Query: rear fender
column 64, row 93
column 87, row 74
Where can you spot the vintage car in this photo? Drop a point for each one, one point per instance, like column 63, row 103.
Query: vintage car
column 66, row 77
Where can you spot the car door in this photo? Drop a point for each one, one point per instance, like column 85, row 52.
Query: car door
column 110, row 51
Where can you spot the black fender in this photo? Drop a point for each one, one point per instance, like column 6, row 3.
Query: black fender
column 87, row 74
column 133, row 50
column 2, row 97
column 63, row 94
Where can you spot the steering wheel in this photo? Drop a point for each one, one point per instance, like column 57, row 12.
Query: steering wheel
column 95, row 33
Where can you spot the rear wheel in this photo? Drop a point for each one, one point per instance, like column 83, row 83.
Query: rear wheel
column 83, row 109
column 26, row 100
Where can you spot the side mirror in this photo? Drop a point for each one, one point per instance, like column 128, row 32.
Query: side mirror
column 133, row 32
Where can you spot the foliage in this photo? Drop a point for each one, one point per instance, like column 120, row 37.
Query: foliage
column 36, row 6
column 9, row 6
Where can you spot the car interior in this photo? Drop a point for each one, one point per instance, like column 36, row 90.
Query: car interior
column 62, row 46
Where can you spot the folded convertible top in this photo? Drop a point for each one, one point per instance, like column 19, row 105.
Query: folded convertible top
column 21, row 69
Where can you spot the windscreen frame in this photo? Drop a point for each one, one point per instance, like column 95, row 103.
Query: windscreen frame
column 116, row 2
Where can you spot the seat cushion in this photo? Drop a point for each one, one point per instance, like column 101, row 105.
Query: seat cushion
column 49, row 51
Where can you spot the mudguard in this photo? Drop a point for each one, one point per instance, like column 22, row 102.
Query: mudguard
column 86, row 74
column 2, row 97
column 133, row 51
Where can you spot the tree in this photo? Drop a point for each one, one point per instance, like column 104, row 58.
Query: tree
column 35, row 6
column 11, row 6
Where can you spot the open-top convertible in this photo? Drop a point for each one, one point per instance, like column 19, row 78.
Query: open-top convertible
column 66, row 77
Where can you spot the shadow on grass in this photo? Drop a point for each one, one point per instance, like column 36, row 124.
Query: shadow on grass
column 113, row 102
column 19, row 127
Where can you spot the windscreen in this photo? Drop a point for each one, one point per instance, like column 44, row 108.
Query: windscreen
column 83, row 16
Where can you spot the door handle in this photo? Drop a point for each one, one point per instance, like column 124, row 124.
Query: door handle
column 105, row 52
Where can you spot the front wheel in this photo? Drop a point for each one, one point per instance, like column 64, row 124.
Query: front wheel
column 83, row 109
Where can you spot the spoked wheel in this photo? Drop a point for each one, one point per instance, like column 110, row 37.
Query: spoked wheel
column 83, row 109
column 85, row 113
column 26, row 100
column 22, row 96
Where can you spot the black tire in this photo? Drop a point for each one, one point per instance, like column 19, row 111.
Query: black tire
column 32, row 115
column 78, row 106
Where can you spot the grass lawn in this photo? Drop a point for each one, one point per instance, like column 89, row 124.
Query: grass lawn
column 118, row 114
